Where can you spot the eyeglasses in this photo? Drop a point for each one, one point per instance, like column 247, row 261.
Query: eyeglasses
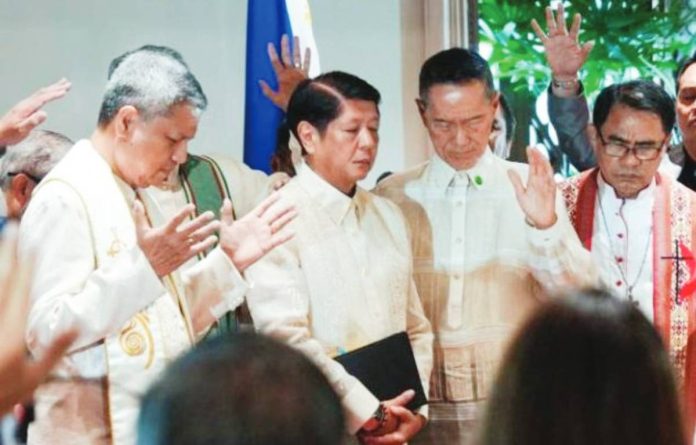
column 643, row 151
column 36, row 179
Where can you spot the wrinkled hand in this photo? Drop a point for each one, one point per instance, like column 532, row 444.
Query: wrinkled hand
column 563, row 50
column 289, row 72
column 26, row 115
column 171, row 245
column 538, row 199
column 402, row 423
column 19, row 375
column 254, row 235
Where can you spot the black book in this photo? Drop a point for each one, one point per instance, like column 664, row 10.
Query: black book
column 387, row 368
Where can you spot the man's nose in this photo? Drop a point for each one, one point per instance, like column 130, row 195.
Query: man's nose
column 180, row 152
column 630, row 159
column 462, row 136
column 368, row 139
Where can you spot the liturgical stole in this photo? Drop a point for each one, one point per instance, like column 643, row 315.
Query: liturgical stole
column 674, row 223
column 205, row 186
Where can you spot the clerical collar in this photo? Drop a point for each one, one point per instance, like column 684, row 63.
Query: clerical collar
column 441, row 172
column 606, row 191
column 332, row 200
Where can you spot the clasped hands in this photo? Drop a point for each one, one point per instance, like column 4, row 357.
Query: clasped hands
column 400, row 425
column 244, row 241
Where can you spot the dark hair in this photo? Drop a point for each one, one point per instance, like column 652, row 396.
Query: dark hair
column 242, row 389
column 640, row 95
column 454, row 66
column 281, row 161
column 586, row 369
column 509, row 116
column 684, row 66
column 319, row 100
column 152, row 79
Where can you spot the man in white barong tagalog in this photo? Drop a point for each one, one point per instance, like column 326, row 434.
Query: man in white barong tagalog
column 107, row 257
column 484, row 252
column 345, row 280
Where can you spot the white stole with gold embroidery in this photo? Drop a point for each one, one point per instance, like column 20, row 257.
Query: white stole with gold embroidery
column 140, row 350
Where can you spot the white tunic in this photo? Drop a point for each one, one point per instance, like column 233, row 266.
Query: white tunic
column 479, row 267
column 622, row 243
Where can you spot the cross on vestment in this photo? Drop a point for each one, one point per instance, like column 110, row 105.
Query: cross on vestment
column 677, row 258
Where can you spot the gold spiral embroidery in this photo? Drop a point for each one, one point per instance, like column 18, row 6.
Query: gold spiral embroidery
column 134, row 343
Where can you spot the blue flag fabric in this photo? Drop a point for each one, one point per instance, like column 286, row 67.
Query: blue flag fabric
column 267, row 21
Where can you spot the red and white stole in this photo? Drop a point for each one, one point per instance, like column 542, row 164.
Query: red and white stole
column 674, row 222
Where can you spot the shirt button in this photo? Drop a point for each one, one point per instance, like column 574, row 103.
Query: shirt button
column 619, row 259
column 618, row 283
column 620, row 235
column 458, row 240
column 460, row 203
column 457, row 277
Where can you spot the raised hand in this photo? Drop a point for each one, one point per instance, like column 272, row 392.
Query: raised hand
column 171, row 245
column 251, row 237
column 289, row 72
column 27, row 114
column 563, row 50
column 538, row 199
column 19, row 375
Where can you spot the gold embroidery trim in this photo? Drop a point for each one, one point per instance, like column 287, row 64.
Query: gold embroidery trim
column 135, row 343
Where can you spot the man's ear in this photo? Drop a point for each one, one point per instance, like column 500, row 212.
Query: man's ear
column 593, row 135
column 21, row 187
column 123, row 122
column 422, row 106
column 495, row 100
column 309, row 137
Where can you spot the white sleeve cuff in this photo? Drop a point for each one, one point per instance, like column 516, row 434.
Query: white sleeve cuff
column 360, row 404
column 232, row 284
column 544, row 238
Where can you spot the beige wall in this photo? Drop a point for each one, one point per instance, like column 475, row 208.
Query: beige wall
column 383, row 41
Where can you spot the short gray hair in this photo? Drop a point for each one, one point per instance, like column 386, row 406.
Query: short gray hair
column 35, row 156
column 152, row 79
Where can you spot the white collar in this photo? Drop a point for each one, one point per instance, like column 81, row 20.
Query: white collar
column 332, row 200
column 607, row 194
column 441, row 173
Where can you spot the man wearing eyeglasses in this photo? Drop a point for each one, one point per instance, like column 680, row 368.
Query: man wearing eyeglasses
column 640, row 225
column 26, row 164
column 567, row 104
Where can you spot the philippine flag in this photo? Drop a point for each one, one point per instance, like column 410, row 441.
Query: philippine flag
column 267, row 21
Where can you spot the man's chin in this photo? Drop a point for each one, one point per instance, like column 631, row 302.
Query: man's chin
column 629, row 190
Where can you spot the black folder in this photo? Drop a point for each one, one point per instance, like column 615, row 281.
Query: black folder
column 387, row 368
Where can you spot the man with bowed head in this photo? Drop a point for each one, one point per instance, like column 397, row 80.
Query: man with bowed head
column 345, row 280
column 486, row 248
column 108, row 258
column 639, row 222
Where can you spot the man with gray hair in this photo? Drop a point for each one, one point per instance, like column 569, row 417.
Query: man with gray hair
column 26, row 164
column 112, row 263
